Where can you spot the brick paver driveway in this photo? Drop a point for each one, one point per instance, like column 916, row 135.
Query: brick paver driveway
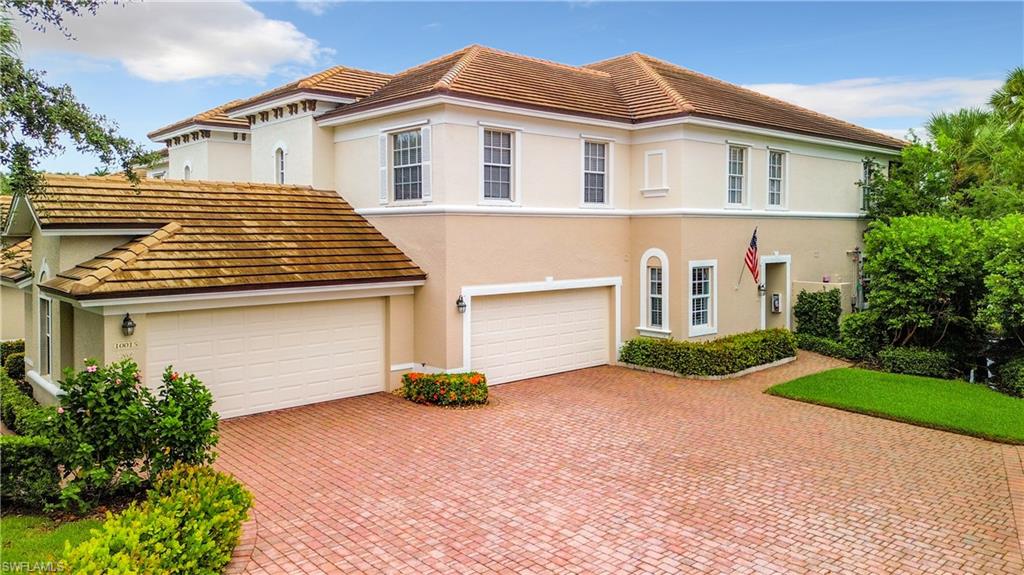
column 608, row 470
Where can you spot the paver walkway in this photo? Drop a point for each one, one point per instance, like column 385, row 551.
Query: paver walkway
column 609, row 470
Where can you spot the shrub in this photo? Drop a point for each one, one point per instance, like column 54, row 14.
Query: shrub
column 14, row 365
column 824, row 346
column 817, row 313
column 28, row 475
column 445, row 388
column 186, row 424
column 722, row 356
column 862, row 334
column 21, row 413
column 9, row 347
column 189, row 523
column 1011, row 377
column 916, row 361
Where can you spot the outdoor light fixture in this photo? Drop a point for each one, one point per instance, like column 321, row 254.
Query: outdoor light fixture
column 460, row 304
column 127, row 325
column 762, row 289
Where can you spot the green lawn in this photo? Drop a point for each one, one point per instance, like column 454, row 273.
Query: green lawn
column 33, row 539
column 950, row 405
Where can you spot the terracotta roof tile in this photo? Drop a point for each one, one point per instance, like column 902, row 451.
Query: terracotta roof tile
column 210, row 236
column 335, row 81
column 16, row 261
column 213, row 117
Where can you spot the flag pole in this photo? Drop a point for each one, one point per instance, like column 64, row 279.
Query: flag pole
column 739, row 280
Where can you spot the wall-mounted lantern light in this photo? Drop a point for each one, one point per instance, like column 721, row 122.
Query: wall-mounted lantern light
column 460, row 304
column 762, row 289
column 127, row 325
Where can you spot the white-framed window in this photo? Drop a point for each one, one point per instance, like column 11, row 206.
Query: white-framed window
column 654, row 294
column 406, row 165
column 279, row 159
column 595, row 172
column 703, row 312
column 655, row 174
column 187, row 173
column 45, row 335
column 777, row 178
column 737, row 175
column 867, row 171
column 498, row 168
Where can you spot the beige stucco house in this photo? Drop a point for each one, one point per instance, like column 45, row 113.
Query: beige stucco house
column 543, row 214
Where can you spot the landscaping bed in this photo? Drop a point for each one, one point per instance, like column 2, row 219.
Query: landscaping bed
column 949, row 405
column 717, row 358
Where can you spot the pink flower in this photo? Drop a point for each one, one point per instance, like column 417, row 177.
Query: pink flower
column 138, row 376
column 60, row 410
column 91, row 369
column 117, row 381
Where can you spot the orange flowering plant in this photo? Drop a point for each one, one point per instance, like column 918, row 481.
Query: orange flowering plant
column 445, row 388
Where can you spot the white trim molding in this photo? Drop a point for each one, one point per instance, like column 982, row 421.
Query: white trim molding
column 503, row 210
column 469, row 292
column 785, row 179
column 666, row 295
column 288, row 99
column 744, row 202
column 776, row 259
column 712, row 327
column 609, row 163
column 650, row 190
column 517, row 162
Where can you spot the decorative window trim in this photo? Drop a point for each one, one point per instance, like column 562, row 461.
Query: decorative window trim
column 47, row 360
column 186, row 170
column 609, row 159
column 645, row 328
column 517, row 165
column 649, row 190
column 745, row 190
column 280, row 171
column 385, row 182
column 785, row 179
column 712, row 326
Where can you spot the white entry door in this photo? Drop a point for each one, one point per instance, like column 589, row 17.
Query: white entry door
column 523, row 335
column 267, row 357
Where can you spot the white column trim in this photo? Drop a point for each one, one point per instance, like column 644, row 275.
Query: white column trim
column 776, row 259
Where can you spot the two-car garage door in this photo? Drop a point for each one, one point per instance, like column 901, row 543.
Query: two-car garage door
column 267, row 357
column 523, row 335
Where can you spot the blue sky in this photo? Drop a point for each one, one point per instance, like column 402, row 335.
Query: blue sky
column 882, row 65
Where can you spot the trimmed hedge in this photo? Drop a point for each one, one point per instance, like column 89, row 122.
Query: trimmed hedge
column 9, row 347
column 29, row 474
column 190, row 522
column 824, row 346
column 1011, row 377
column 14, row 365
column 916, row 361
column 817, row 313
column 862, row 334
column 445, row 388
column 20, row 412
column 717, row 357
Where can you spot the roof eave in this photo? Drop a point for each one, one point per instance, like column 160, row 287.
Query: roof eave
column 188, row 127
column 287, row 97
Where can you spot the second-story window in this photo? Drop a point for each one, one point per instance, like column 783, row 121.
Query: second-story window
column 595, row 171
column 407, row 165
column 279, row 165
column 737, row 171
column 497, row 165
column 867, row 169
column 776, row 178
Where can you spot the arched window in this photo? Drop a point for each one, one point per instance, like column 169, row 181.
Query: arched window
column 279, row 165
column 187, row 173
column 654, row 293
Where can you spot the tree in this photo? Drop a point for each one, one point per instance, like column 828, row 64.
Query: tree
column 1008, row 101
column 36, row 117
column 1003, row 304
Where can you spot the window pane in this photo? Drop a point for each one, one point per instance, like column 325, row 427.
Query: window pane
column 594, row 172
column 700, row 296
column 497, row 165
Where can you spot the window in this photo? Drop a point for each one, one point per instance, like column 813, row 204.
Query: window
column 867, row 171
column 595, row 172
column 407, row 158
column 45, row 331
column 776, row 178
column 497, row 165
column 737, row 161
column 703, row 293
column 655, row 295
column 279, row 165
column 188, row 173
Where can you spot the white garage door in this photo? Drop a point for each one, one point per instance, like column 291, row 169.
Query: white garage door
column 525, row 335
column 267, row 357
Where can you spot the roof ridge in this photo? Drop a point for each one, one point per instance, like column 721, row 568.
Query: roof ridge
column 128, row 253
column 681, row 103
column 571, row 67
column 316, row 77
column 446, row 81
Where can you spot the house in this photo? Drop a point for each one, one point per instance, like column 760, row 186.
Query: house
column 14, row 278
column 527, row 216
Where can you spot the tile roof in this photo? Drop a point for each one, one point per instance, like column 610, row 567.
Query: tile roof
column 213, row 117
column 215, row 236
column 634, row 88
column 16, row 261
column 334, row 81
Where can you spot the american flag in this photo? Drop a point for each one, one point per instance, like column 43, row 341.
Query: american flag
column 751, row 258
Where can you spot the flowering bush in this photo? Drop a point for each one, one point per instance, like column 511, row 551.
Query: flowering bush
column 445, row 388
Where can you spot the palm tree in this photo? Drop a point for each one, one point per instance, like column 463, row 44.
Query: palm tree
column 964, row 138
column 1008, row 101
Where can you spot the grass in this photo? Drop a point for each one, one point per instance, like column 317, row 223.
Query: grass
column 950, row 405
column 39, row 541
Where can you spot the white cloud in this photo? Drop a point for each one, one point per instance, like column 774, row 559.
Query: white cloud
column 861, row 98
column 314, row 7
column 164, row 41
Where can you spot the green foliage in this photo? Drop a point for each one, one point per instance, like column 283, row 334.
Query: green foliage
column 916, row 361
column 19, row 412
column 924, row 279
column 817, row 313
column 717, row 357
column 445, row 388
column 37, row 539
column 1011, row 377
column 862, row 334
column 189, row 524
column 1008, row 101
column 1002, row 306
column 14, row 365
column 824, row 346
column 9, row 347
column 112, row 434
column 28, row 476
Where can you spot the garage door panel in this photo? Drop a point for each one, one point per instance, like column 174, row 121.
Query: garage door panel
column 270, row 357
column 527, row 335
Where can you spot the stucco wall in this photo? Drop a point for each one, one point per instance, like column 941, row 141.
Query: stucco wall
column 196, row 155
column 12, row 313
column 309, row 154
